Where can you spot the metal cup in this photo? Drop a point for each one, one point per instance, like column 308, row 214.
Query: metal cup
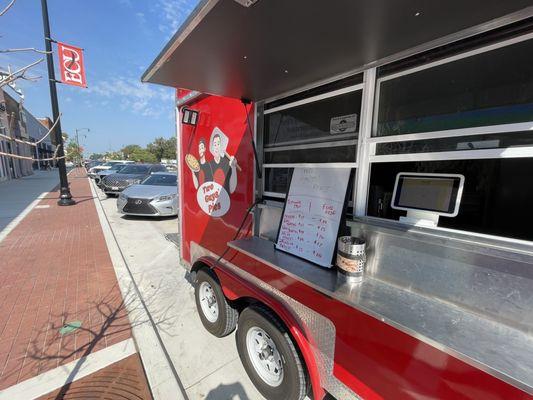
column 351, row 258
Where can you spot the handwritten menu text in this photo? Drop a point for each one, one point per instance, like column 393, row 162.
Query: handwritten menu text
column 312, row 214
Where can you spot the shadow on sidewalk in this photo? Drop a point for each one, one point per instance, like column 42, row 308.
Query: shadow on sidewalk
column 233, row 391
column 109, row 321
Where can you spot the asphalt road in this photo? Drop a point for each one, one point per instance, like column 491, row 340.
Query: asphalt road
column 208, row 367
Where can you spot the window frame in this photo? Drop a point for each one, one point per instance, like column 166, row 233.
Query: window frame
column 366, row 143
column 342, row 139
column 479, row 130
column 369, row 146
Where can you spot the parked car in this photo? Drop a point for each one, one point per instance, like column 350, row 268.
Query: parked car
column 115, row 168
column 129, row 175
column 156, row 196
column 93, row 172
column 92, row 164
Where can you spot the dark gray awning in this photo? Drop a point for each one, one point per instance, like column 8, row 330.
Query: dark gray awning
column 276, row 46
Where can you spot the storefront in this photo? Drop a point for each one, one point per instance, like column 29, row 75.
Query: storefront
column 407, row 100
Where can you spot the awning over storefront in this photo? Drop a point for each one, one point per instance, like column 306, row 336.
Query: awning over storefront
column 276, row 46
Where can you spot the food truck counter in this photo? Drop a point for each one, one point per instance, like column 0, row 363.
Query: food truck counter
column 465, row 331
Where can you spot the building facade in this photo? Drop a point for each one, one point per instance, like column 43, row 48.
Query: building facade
column 18, row 123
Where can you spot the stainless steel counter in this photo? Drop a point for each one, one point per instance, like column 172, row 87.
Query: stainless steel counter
column 495, row 347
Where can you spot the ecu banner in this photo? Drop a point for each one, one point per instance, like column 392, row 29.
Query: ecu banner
column 71, row 65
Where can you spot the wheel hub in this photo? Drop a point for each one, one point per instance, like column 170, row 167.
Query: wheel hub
column 265, row 356
column 208, row 302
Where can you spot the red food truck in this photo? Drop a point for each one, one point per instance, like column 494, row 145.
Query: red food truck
column 406, row 126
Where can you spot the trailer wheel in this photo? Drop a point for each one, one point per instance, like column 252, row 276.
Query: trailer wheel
column 217, row 316
column 269, row 355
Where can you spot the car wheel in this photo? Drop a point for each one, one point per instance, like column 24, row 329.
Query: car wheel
column 270, row 356
column 217, row 316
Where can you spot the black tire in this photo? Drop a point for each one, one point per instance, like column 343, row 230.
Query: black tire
column 294, row 384
column 226, row 321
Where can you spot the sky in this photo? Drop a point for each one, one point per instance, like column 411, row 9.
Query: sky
column 120, row 39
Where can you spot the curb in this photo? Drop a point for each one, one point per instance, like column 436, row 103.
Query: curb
column 162, row 376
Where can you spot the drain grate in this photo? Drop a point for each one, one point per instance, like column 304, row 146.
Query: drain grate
column 70, row 327
column 124, row 380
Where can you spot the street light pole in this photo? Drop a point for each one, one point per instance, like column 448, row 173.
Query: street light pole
column 65, row 198
column 78, row 142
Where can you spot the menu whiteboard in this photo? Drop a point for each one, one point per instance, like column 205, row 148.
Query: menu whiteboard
column 312, row 214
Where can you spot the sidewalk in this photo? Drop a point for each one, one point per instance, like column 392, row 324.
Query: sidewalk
column 55, row 269
column 17, row 194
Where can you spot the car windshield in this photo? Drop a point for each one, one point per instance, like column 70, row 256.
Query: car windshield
column 117, row 167
column 161, row 180
column 134, row 169
column 108, row 164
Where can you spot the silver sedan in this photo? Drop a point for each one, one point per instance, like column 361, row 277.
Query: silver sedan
column 156, row 196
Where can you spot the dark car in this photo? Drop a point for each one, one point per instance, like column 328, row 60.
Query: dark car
column 129, row 175
column 115, row 169
column 91, row 164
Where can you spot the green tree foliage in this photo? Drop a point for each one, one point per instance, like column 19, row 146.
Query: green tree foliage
column 113, row 155
column 129, row 149
column 73, row 152
column 163, row 148
column 142, row 155
column 160, row 148
column 96, row 156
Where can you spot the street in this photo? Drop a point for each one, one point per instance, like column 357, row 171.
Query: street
column 208, row 367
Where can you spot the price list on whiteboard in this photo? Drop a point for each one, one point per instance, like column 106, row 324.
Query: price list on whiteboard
column 313, row 212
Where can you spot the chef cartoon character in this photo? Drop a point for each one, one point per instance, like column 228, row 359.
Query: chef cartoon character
column 223, row 166
column 200, row 169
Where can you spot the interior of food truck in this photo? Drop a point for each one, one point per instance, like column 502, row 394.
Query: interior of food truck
column 451, row 104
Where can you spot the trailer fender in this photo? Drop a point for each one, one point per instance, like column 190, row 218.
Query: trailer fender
column 236, row 288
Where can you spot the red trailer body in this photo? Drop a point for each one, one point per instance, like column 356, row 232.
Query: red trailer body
column 371, row 358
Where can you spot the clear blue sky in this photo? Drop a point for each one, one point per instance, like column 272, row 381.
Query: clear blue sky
column 120, row 38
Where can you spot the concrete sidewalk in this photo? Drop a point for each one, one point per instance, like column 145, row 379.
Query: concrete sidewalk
column 56, row 274
column 18, row 194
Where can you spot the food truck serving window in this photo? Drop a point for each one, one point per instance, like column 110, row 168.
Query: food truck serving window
column 490, row 88
column 470, row 114
column 298, row 132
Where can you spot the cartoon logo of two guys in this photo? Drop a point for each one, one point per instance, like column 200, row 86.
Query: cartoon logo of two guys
column 214, row 179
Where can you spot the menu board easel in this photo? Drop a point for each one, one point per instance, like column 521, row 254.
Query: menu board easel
column 312, row 214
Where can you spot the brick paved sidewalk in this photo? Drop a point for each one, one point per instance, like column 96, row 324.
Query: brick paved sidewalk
column 55, row 268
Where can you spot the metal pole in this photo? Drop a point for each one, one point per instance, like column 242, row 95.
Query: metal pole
column 78, row 150
column 65, row 198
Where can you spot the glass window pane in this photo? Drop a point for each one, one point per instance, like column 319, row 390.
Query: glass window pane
column 277, row 179
column 496, row 198
column 475, row 142
column 323, row 120
column 315, row 155
column 491, row 88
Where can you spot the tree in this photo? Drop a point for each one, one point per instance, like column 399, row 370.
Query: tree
column 163, row 148
column 113, row 155
column 73, row 152
column 96, row 156
column 172, row 145
column 142, row 155
column 129, row 149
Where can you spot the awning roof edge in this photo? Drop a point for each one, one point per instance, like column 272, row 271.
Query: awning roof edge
column 225, row 49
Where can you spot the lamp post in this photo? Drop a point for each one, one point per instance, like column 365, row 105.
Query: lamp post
column 78, row 141
column 65, row 198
